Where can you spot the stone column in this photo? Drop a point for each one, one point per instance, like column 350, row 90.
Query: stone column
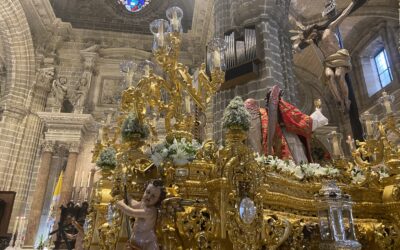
column 69, row 173
column 40, row 191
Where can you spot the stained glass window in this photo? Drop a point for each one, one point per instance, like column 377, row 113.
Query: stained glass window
column 134, row 5
column 383, row 69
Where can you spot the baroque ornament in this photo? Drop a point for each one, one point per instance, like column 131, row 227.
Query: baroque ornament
column 227, row 197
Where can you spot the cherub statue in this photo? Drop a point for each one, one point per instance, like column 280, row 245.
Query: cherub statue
column 336, row 59
column 145, row 211
column 59, row 91
column 81, row 89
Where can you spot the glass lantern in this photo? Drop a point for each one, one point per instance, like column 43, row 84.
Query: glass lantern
column 348, row 218
column 369, row 122
column 335, row 218
column 335, row 140
column 159, row 29
column 216, row 54
column 387, row 103
column 174, row 15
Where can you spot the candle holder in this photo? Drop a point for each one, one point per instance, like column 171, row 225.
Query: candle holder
column 387, row 103
column 216, row 54
column 369, row 122
column 127, row 69
column 174, row 15
column 335, row 139
column 159, row 29
column 145, row 68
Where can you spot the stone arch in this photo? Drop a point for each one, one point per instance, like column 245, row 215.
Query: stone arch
column 19, row 60
column 18, row 52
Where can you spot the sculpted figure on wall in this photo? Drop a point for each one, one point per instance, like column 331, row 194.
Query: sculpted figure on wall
column 44, row 77
column 79, row 94
column 58, row 92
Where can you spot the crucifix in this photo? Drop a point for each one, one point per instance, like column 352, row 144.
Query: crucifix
column 356, row 127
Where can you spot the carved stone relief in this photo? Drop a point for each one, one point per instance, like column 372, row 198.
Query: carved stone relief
column 111, row 88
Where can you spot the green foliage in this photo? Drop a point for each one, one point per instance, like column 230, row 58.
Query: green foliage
column 236, row 115
column 107, row 159
column 132, row 126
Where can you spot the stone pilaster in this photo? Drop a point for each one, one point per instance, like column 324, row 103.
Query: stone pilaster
column 40, row 191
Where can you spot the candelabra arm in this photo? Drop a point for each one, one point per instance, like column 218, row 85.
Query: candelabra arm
column 186, row 84
column 391, row 125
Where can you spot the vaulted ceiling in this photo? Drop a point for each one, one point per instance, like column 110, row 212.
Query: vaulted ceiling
column 111, row 16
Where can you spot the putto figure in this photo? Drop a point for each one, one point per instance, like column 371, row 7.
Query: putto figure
column 336, row 60
column 59, row 91
column 145, row 211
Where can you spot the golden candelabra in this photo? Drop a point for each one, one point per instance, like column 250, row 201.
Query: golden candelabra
column 223, row 198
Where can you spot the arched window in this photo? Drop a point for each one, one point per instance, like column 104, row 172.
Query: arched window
column 376, row 66
column 134, row 5
column 383, row 68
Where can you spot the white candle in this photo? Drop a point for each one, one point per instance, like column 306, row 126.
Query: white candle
column 76, row 173
column 88, row 182
column 217, row 59
column 82, row 174
column 388, row 108
column 108, row 121
column 146, row 70
column 14, row 230
column 100, row 134
column 187, row 104
column 73, row 194
column 368, row 127
column 161, row 35
column 20, row 232
column 23, row 233
column 154, row 121
column 335, row 144
column 336, row 150
column 175, row 21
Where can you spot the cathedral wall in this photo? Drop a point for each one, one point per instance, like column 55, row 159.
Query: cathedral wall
column 270, row 19
column 19, row 127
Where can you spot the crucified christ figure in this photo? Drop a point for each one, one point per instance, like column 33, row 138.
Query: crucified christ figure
column 336, row 60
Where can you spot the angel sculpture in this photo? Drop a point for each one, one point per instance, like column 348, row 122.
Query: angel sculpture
column 145, row 211
column 336, row 59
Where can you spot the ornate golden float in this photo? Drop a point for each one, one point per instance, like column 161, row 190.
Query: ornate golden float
column 224, row 198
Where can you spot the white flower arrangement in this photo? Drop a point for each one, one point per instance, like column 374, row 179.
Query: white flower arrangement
column 300, row 172
column 180, row 152
column 236, row 115
column 358, row 176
